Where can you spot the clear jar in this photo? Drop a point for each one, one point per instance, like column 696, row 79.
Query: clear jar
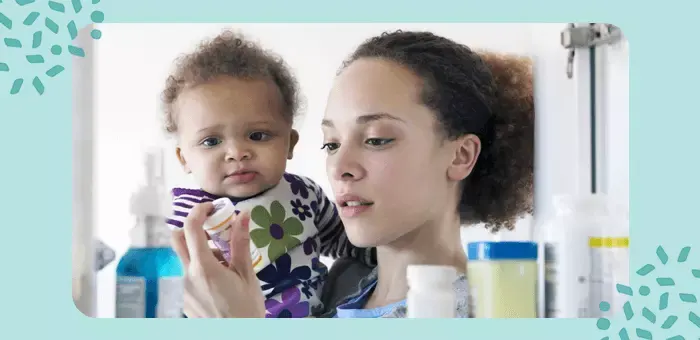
column 503, row 279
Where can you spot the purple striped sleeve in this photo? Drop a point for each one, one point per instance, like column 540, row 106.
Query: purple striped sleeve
column 183, row 205
column 175, row 223
column 183, row 202
column 333, row 239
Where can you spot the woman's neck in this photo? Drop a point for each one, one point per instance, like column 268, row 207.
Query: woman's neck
column 436, row 243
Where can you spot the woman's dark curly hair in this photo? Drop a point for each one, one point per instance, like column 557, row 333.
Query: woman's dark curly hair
column 485, row 94
column 228, row 54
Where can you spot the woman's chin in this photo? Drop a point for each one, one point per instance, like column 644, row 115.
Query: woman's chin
column 362, row 239
column 368, row 238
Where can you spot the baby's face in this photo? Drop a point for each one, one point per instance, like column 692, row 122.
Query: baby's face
column 232, row 135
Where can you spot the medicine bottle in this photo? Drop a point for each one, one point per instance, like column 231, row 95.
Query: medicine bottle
column 431, row 291
column 218, row 226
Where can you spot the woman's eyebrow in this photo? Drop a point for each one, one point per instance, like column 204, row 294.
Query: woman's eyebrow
column 364, row 119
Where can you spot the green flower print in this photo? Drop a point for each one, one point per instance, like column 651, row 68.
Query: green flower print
column 275, row 230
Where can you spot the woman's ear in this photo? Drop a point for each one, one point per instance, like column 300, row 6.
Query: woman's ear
column 293, row 140
column 466, row 152
column 183, row 161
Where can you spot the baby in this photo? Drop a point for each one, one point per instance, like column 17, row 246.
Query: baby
column 231, row 106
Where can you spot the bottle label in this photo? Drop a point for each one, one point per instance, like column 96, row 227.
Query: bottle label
column 131, row 297
column 170, row 297
column 259, row 261
column 132, row 302
column 550, row 284
column 557, row 304
column 609, row 267
column 221, row 241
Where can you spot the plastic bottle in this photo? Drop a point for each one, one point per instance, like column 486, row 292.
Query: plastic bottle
column 503, row 279
column 431, row 291
column 586, row 253
column 218, row 226
column 150, row 275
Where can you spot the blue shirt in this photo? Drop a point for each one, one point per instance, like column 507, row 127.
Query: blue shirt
column 354, row 308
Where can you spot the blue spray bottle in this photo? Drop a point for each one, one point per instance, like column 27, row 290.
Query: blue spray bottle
column 150, row 282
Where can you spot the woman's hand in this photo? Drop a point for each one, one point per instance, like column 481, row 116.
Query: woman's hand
column 213, row 290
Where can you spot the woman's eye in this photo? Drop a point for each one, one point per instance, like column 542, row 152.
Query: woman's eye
column 378, row 141
column 330, row 146
column 211, row 141
column 259, row 136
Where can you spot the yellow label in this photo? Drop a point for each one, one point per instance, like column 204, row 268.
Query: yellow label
column 609, row 242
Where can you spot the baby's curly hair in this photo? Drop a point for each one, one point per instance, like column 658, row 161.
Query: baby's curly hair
column 228, row 54
column 482, row 93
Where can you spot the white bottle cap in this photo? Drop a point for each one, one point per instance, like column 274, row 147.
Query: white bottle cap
column 219, row 220
column 430, row 275
column 431, row 293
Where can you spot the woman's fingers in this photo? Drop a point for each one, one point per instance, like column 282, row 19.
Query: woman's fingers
column 195, row 235
column 218, row 254
column 191, row 307
column 179, row 244
column 240, row 246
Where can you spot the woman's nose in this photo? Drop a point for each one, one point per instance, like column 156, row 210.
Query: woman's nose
column 345, row 165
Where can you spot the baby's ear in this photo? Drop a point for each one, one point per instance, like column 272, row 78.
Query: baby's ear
column 293, row 140
column 182, row 160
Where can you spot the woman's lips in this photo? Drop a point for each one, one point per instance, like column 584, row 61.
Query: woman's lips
column 351, row 205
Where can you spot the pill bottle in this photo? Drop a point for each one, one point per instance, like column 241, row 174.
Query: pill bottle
column 218, row 226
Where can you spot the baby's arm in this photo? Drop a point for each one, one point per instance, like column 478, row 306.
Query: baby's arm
column 183, row 202
column 333, row 239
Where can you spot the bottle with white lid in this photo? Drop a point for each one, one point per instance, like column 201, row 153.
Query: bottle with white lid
column 431, row 291
column 586, row 255
column 218, row 227
column 150, row 275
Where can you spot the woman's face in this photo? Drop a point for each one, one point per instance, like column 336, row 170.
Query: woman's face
column 387, row 163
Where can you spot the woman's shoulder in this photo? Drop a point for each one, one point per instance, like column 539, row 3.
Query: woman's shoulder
column 346, row 278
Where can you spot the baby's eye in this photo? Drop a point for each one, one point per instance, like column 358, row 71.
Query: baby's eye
column 330, row 146
column 259, row 136
column 211, row 142
column 378, row 141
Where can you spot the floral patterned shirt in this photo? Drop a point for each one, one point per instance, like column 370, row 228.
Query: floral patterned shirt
column 292, row 225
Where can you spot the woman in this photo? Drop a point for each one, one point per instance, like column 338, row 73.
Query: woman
column 422, row 135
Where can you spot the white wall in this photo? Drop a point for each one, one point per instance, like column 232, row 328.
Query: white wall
column 134, row 60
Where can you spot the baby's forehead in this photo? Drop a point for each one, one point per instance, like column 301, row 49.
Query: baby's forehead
column 232, row 103
column 234, row 93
